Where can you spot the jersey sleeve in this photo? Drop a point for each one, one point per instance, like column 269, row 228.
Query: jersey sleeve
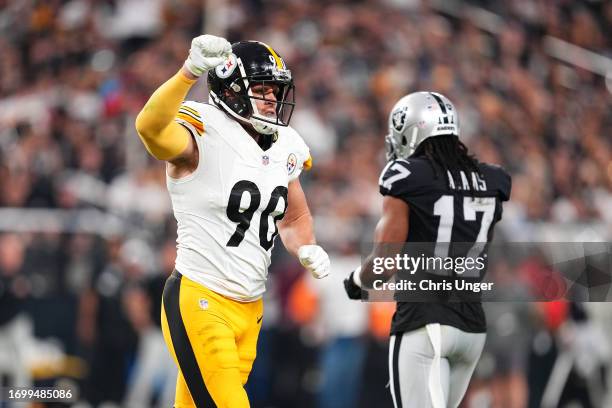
column 402, row 179
column 499, row 181
column 303, row 157
column 190, row 117
column 505, row 185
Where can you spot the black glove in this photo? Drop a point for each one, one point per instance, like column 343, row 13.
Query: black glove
column 352, row 290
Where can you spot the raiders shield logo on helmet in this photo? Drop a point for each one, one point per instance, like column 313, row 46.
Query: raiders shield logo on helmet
column 398, row 119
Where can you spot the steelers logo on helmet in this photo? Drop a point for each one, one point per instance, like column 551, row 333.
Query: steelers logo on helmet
column 227, row 68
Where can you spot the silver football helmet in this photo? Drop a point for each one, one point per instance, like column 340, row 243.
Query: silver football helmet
column 416, row 117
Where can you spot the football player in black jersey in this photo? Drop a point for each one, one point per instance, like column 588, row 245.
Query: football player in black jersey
column 434, row 192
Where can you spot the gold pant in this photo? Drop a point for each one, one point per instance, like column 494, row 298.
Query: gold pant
column 213, row 339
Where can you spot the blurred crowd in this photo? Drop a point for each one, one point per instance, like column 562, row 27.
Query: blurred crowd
column 74, row 74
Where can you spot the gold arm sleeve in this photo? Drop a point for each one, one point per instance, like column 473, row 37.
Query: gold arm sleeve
column 161, row 135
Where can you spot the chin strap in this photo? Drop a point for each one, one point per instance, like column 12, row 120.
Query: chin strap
column 263, row 128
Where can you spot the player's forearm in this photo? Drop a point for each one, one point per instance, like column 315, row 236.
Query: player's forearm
column 389, row 236
column 297, row 232
column 366, row 277
column 155, row 124
column 366, row 273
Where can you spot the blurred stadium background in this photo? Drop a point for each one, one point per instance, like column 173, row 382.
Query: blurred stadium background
column 86, row 230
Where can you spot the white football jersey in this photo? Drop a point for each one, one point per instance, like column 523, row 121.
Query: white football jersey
column 226, row 209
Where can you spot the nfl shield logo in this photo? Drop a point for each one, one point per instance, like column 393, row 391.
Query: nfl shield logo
column 265, row 160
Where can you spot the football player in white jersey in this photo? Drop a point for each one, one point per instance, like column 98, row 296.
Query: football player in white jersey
column 232, row 174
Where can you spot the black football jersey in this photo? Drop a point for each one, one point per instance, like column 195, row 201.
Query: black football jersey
column 444, row 211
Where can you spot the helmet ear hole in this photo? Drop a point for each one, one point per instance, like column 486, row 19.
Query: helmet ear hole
column 236, row 102
column 404, row 140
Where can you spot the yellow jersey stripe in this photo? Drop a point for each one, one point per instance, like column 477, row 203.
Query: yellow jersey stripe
column 187, row 108
column 189, row 119
column 188, row 113
column 279, row 61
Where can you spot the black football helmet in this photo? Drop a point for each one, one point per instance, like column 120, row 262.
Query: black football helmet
column 253, row 63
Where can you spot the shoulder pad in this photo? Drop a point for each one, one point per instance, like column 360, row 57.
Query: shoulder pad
column 404, row 177
column 295, row 144
column 499, row 180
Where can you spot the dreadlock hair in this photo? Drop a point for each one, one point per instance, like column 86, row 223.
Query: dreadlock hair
column 451, row 155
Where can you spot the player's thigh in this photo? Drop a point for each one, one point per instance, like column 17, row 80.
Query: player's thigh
column 182, row 396
column 417, row 378
column 166, row 333
column 203, row 343
column 236, row 398
column 467, row 350
column 179, row 346
column 247, row 342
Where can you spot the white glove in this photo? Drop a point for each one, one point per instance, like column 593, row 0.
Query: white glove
column 206, row 52
column 315, row 259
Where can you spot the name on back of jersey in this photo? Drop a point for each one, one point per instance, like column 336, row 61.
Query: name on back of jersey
column 478, row 182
